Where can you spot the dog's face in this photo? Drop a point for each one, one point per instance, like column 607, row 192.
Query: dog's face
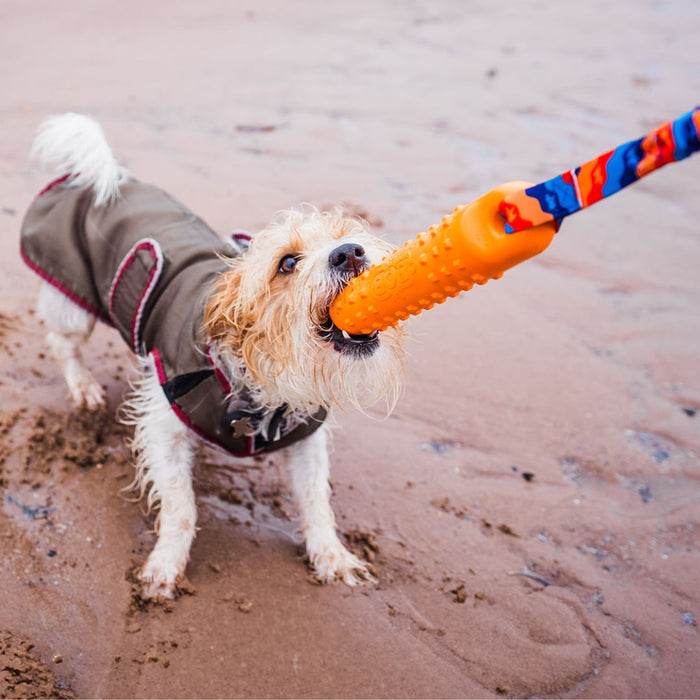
column 269, row 315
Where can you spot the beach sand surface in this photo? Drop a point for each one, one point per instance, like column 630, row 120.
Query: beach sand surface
column 531, row 507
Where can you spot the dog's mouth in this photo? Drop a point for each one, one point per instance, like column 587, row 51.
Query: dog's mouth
column 344, row 342
column 347, row 343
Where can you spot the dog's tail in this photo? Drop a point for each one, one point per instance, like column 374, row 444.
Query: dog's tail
column 78, row 148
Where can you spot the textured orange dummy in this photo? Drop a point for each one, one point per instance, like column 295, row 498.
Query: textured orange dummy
column 469, row 246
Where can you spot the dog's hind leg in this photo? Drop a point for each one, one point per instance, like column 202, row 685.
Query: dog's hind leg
column 309, row 468
column 164, row 449
column 68, row 327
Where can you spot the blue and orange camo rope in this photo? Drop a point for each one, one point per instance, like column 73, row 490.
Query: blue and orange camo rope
column 603, row 176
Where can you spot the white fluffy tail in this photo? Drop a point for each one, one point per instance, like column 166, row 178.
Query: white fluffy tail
column 78, row 147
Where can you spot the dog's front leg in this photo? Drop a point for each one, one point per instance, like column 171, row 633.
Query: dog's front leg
column 309, row 470
column 164, row 449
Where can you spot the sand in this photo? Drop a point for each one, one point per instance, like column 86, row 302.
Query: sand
column 530, row 508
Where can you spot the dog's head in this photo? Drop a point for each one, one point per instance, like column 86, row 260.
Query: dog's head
column 268, row 316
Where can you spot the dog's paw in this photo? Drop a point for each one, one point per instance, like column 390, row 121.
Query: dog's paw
column 86, row 392
column 335, row 563
column 159, row 579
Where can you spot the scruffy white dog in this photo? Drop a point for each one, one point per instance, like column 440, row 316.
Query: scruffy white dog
column 234, row 338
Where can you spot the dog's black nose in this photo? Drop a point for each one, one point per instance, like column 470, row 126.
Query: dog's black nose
column 349, row 257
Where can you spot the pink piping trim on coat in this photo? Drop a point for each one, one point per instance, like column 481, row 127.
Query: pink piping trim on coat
column 53, row 183
column 72, row 296
column 159, row 366
column 185, row 419
column 153, row 247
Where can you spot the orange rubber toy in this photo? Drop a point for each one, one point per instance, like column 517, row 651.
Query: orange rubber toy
column 469, row 246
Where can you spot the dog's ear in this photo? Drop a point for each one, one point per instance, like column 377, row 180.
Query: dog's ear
column 226, row 316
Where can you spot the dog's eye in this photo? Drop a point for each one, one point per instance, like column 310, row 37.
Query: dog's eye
column 288, row 264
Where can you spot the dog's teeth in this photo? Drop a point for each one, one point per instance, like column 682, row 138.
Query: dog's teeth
column 346, row 335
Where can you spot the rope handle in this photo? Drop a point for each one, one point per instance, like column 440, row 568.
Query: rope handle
column 603, row 176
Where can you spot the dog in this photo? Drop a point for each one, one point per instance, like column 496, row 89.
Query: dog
column 233, row 337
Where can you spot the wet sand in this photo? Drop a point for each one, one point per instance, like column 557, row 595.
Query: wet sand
column 530, row 508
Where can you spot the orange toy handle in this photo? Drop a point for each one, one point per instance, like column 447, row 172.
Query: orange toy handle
column 469, row 246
